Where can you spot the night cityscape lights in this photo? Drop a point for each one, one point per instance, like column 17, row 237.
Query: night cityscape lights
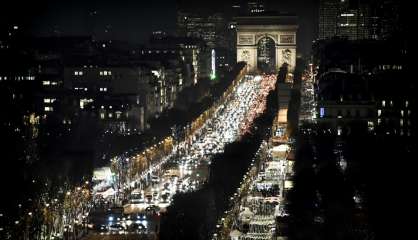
column 205, row 120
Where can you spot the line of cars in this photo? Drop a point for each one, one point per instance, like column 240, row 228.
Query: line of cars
column 124, row 224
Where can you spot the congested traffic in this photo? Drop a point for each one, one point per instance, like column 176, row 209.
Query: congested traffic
column 185, row 168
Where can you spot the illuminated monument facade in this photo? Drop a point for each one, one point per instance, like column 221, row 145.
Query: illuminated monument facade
column 267, row 42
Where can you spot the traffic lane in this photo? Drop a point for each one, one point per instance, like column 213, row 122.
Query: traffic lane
column 104, row 219
column 121, row 237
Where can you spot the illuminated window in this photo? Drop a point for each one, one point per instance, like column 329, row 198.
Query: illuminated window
column 402, row 113
column 101, row 73
column 379, row 121
column 84, row 101
column 406, row 103
column 110, row 115
column 105, row 73
column 46, row 83
column 391, row 103
column 49, row 100
column 104, row 89
column 48, row 109
column 379, row 112
column 401, row 122
column 383, row 103
column 102, row 115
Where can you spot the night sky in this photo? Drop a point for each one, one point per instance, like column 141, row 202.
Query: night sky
column 132, row 20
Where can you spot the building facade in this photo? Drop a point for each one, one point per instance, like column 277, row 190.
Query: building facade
column 267, row 40
column 358, row 19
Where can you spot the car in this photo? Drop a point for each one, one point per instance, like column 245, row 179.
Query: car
column 102, row 229
column 136, row 201
column 148, row 198
column 137, row 227
column 165, row 197
column 136, row 197
column 116, row 229
column 155, row 179
column 153, row 209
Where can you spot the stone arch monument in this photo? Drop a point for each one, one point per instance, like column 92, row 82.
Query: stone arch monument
column 254, row 30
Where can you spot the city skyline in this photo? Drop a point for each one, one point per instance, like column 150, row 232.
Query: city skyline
column 204, row 120
column 134, row 21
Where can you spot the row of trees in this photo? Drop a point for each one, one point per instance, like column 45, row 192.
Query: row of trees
column 194, row 215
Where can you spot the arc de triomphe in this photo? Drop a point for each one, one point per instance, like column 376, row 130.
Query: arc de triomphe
column 280, row 29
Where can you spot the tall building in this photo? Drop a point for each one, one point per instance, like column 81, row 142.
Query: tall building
column 344, row 18
column 386, row 18
column 250, row 7
column 210, row 28
column 192, row 51
column 358, row 19
column 255, row 6
column 328, row 11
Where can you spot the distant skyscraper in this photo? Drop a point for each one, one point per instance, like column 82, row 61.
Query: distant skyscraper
column 386, row 18
column 344, row 18
column 210, row 28
column 255, row 6
column 236, row 9
column 328, row 10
